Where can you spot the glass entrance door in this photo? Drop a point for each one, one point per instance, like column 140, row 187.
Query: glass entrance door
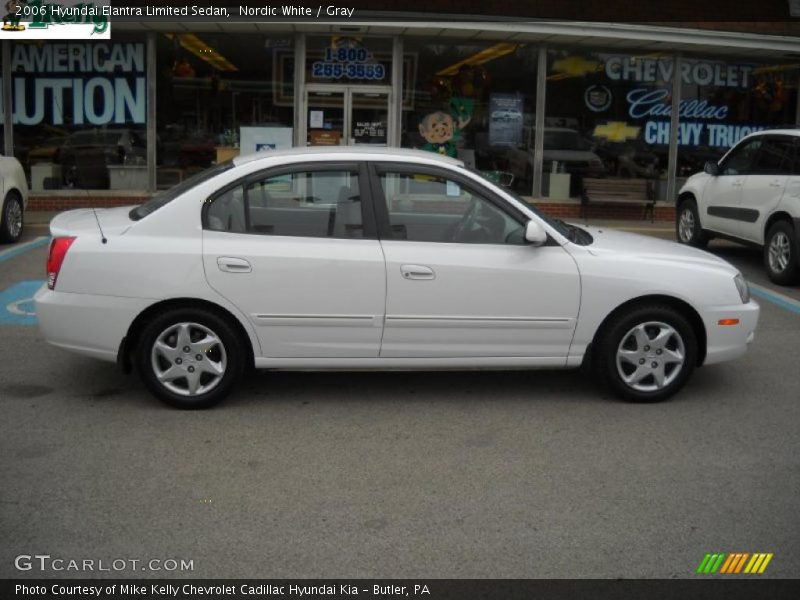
column 369, row 118
column 348, row 115
column 325, row 117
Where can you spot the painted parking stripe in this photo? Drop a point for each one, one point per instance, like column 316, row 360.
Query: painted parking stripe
column 16, row 303
column 22, row 248
column 781, row 300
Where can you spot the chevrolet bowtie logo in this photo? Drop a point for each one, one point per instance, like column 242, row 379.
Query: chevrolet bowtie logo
column 734, row 563
column 575, row 66
column 616, row 131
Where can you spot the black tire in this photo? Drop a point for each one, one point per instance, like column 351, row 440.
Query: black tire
column 687, row 225
column 780, row 253
column 229, row 352
column 617, row 335
column 12, row 218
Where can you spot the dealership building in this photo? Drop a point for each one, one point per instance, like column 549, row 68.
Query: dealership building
column 540, row 105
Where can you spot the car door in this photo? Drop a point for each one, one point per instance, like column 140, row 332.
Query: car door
column 461, row 281
column 295, row 250
column 764, row 186
column 722, row 195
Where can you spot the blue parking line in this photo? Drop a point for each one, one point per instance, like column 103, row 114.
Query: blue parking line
column 778, row 299
column 16, row 303
column 22, row 248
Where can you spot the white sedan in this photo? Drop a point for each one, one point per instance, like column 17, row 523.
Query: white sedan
column 342, row 258
column 14, row 195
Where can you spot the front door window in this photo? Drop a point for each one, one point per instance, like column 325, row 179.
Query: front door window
column 425, row 208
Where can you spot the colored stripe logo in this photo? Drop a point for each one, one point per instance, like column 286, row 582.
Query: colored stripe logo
column 734, row 563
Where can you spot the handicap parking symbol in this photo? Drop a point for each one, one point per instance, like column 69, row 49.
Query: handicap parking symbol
column 16, row 303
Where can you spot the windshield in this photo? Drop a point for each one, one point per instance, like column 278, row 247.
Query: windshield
column 167, row 196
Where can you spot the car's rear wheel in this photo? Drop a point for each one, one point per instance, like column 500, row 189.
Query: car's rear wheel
column 190, row 358
column 12, row 219
column 687, row 225
column 780, row 254
column 647, row 354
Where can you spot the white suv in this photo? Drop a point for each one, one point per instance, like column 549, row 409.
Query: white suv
column 752, row 196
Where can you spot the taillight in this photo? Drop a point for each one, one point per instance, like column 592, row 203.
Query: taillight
column 58, row 250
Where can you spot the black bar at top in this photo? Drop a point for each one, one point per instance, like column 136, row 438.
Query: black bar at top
column 629, row 11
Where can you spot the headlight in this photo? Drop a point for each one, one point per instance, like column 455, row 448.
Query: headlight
column 741, row 285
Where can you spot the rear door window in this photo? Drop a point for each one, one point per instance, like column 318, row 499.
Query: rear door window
column 317, row 202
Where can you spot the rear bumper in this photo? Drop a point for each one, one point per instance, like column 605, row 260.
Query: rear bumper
column 86, row 324
column 726, row 342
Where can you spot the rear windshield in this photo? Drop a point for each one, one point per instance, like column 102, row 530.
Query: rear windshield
column 167, row 196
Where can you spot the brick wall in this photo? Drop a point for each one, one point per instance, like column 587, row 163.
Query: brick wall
column 572, row 210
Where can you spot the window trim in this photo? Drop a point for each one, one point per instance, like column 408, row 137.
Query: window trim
column 380, row 168
column 368, row 220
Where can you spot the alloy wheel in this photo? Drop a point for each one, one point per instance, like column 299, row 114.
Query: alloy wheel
column 650, row 356
column 780, row 251
column 189, row 359
column 686, row 225
column 14, row 218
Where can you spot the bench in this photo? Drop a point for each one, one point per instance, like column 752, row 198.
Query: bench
column 618, row 191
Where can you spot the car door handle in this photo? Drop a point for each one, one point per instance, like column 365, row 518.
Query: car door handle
column 775, row 184
column 737, row 183
column 231, row 264
column 417, row 272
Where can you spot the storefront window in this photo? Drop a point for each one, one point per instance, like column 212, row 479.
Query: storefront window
column 221, row 95
column 595, row 124
column 80, row 112
column 722, row 101
column 475, row 101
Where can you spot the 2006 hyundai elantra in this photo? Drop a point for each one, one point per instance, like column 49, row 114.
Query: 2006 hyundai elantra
column 348, row 258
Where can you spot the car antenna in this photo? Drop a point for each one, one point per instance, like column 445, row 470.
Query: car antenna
column 102, row 235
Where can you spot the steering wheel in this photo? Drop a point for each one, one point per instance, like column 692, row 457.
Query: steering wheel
column 465, row 224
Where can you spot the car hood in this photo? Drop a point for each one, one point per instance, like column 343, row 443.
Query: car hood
column 114, row 221
column 609, row 241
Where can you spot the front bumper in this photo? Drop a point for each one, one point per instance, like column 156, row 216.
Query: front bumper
column 726, row 342
column 84, row 323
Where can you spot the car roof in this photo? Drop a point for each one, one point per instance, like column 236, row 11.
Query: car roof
column 351, row 153
column 795, row 132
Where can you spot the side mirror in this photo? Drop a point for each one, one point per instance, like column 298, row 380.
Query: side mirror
column 711, row 168
column 535, row 233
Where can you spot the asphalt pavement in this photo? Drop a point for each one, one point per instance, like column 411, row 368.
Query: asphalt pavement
column 468, row 474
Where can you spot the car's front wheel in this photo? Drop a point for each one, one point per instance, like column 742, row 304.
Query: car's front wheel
column 687, row 225
column 647, row 354
column 780, row 254
column 190, row 358
column 12, row 218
